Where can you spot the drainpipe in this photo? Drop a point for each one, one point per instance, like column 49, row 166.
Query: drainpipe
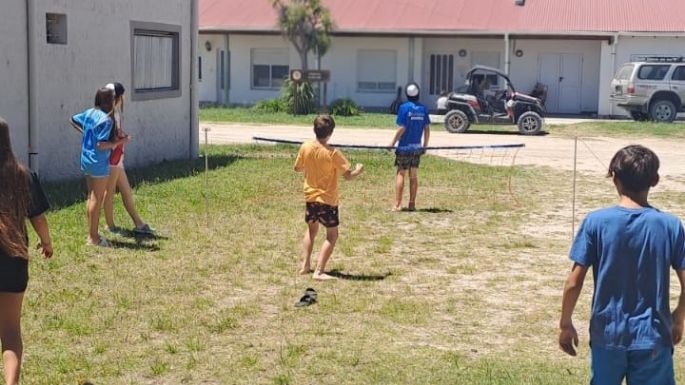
column 227, row 70
column 31, row 85
column 507, row 54
column 412, row 58
column 614, row 46
column 194, row 130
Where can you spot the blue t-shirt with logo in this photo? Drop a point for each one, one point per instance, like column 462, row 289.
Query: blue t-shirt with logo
column 97, row 127
column 414, row 117
column 631, row 252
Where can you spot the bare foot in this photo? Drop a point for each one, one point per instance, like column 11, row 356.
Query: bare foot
column 412, row 206
column 306, row 270
column 396, row 208
column 322, row 277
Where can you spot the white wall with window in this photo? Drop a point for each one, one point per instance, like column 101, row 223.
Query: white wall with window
column 376, row 70
column 367, row 70
column 270, row 67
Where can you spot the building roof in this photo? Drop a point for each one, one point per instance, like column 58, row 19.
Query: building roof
column 426, row 17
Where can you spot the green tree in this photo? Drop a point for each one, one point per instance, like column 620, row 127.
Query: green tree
column 306, row 24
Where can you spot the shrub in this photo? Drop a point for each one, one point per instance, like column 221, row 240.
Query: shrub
column 270, row 105
column 298, row 97
column 345, row 107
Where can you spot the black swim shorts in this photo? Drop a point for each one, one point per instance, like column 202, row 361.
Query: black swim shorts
column 14, row 274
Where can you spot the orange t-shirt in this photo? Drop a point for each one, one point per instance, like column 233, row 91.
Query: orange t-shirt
column 322, row 165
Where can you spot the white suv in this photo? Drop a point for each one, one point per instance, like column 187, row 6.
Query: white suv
column 651, row 89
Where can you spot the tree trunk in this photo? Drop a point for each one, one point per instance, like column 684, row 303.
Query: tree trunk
column 303, row 60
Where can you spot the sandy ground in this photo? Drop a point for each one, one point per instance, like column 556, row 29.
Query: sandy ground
column 593, row 154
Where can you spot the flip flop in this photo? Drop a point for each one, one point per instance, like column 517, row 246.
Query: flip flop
column 309, row 298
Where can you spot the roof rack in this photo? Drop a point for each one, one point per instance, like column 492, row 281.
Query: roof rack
column 665, row 59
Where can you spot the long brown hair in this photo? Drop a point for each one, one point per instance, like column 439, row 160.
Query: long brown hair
column 14, row 198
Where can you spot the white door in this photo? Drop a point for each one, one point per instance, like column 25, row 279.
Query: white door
column 562, row 74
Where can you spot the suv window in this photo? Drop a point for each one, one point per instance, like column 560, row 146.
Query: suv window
column 679, row 73
column 625, row 72
column 652, row 72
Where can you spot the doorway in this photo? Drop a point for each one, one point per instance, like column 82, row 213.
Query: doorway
column 562, row 73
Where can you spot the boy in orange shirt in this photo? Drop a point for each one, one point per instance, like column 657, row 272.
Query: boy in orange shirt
column 321, row 165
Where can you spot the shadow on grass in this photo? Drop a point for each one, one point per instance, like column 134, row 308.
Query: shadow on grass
column 358, row 277
column 134, row 246
column 66, row 193
column 432, row 210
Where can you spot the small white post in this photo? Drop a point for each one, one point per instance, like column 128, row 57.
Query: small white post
column 573, row 205
column 206, row 191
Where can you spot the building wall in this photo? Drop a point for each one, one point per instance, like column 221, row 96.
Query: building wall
column 14, row 107
column 413, row 63
column 341, row 60
column 626, row 47
column 98, row 51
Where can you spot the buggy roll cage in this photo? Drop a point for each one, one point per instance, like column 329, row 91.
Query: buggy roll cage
column 482, row 68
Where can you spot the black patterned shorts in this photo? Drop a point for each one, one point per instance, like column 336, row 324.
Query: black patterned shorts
column 407, row 160
column 327, row 215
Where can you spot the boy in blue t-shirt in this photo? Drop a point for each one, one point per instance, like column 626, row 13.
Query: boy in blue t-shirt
column 413, row 122
column 631, row 248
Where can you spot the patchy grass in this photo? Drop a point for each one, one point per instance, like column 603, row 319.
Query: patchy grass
column 621, row 128
column 248, row 115
column 464, row 291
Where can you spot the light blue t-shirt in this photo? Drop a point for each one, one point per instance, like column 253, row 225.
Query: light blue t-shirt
column 414, row 117
column 631, row 252
column 97, row 127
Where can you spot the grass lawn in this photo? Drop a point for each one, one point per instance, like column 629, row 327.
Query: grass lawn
column 618, row 128
column 464, row 291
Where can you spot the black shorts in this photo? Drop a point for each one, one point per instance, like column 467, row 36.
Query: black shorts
column 327, row 215
column 407, row 160
column 14, row 274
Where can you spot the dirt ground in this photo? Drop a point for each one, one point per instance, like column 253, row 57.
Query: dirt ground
column 593, row 153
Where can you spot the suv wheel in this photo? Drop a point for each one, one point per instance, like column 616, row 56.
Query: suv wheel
column 456, row 121
column 530, row 123
column 639, row 116
column 662, row 111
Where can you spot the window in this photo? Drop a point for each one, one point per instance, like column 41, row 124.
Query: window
column 155, row 60
column 625, row 72
column 56, row 28
column 270, row 68
column 652, row 72
column 441, row 73
column 199, row 68
column 679, row 73
column 376, row 70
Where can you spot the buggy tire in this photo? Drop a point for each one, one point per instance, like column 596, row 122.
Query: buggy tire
column 662, row 110
column 639, row 116
column 456, row 121
column 530, row 123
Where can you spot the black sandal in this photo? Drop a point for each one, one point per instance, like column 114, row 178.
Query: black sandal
column 309, row 298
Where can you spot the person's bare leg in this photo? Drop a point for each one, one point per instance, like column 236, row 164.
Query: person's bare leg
column 325, row 254
column 95, row 199
column 127, row 198
column 399, row 189
column 413, row 187
column 307, row 246
column 10, row 335
column 109, row 195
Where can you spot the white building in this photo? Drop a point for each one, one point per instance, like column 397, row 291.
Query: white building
column 572, row 47
column 56, row 54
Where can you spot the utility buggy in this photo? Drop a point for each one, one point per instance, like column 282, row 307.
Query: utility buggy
column 489, row 98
